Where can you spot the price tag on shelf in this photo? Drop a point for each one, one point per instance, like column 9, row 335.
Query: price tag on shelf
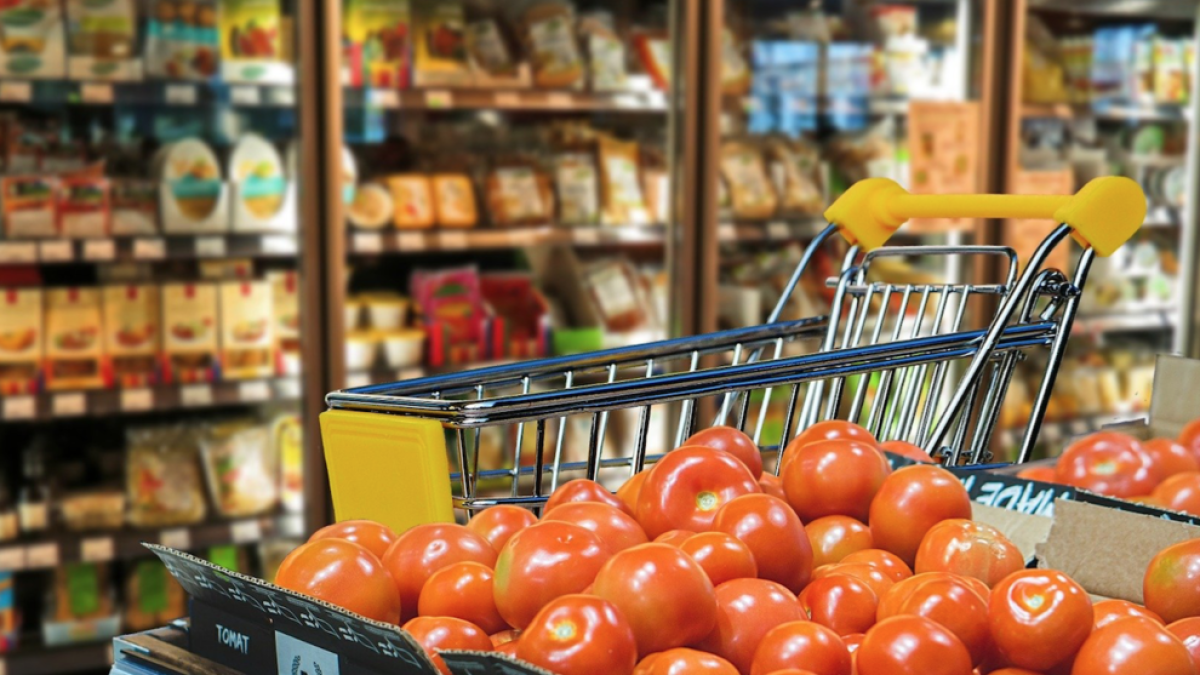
column 20, row 407
column 245, row 531
column 42, row 555
column 284, row 97
column 383, row 98
column 136, row 400
column 149, row 249
column 245, row 95
column 453, row 240
column 258, row 390
column 100, row 93
column 726, row 232
column 70, row 404
column 507, row 99
column 99, row 250
column 56, row 251
column 410, row 241
column 656, row 100
column 777, row 231
column 560, row 100
column 17, row 92
column 195, row 395
column 180, row 94
column 18, row 252
column 288, row 389
column 368, row 242
column 355, row 380
column 12, row 558
column 97, row 549
column 439, row 98
column 210, row 247
column 179, row 538
column 587, row 236
column 280, row 243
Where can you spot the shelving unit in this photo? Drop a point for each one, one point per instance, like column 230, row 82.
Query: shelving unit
column 149, row 249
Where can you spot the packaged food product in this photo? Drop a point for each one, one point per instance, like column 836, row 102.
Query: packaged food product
column 257, row 169
column 10, row 617
column 656, row 185
column 287, row 436
column 362, row 347
column 30, row 206
column 82, row 592
column 605, row 52
column 242, row 468
column 23, row 148
column 377, row 42
column 403, row 347
column 162, row 476
column 191, row 170
column 735, row 72
column 413, row 200
column 101, row 37
column 620, row 185
column 21, row 340
column 285, row 310
column 247, row 330
column 578, row 188
column 518, row 194
column 189, row 339
column 451, row 302
column 549, row 28
column 372, row 207
column 131, row 333
column 152, row 596
column 182, row 39
column 229, row 268
column 84, row 207
column 134, row 207
column 251, row 32
column 439, row 47
column 796, row 167
column 93, row 510
column 352, row 313
column 74, row 341
column 1170, row 76
column 489, row 52
column 654, row 52
column 31, row 43
column 454, row 200
column 387, row 311
column 615, row 292
column 750, row 190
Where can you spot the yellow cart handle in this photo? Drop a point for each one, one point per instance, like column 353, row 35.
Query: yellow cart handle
column 1103, row 215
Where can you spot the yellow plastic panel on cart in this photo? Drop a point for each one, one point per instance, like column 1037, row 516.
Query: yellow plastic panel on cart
column 387, row 468
column 1105, row 213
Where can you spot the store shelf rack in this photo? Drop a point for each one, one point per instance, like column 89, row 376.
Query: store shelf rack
column 149, row 93
column 148, row 249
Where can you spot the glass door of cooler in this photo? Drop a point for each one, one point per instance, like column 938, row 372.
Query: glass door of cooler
column 154, row 284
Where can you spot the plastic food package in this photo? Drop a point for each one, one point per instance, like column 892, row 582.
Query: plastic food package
column 377, row 44
column 372, row 207
column 132, row 333
column 796, row 168
column 454, row 200
column 616, row 292
column 101, row 37
column 578, row 188
column 549, row 28
column 31, row 44
column 489, row 52
column 134, row 207
column 285, row 312
column 242, row 468
column 606, row 53
column 152, row 596
column 82, row 591
column 287, row 437
column 257, row 169
column 29, row 206
column 412, row 197
column 100, row 510
column 74, row 340
column 21, row 341
column 654, row 52
column 162, row 476
column 620, row 183
column 190, row 340
column 182, row 41
column 735, row 72
column 519, row 194
column 439, row 47
column 84, row 207
column 750, row 189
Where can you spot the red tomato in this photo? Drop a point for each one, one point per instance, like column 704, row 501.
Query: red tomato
column 463, row 591
column 1171, row 586
column 1188, row 632
column 733, row 441
column 1169, row 457
column 1148, row 500
column 1039, row 618
column 583, row 490
column 630, row 489
column 1108, row 463
column 504, row 637
column 665, row 595
column 906, row 449
column 687, row 486
column 968, row 548
column 835, row 537
column 1190, row 438
column 910, row 502
column 614, row 527
column 342, row 573
column 1133, row 646
column 947, row 600
column 834, row 478
column 579, row 635
column 792, row 671
column 674, row 537
column 911, row 645
column 643, row 666
column 722, row 556
column 435, row 633
column 543, row 562
column 892, row 566
column 683, row 661
column 870, row 575
column 373, row 536
column 508, row 648
column 1180, row 492
column 773, row 533
column 425, row 549
column 1045, row 474
column 1013, row 671
column 826, row 431
column 801, row 643
column 772, row 485
column 499, row 523
column 747, row 609
column 1108, row 611
column 841, row 603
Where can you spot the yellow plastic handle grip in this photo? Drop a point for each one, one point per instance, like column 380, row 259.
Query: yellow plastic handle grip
column 1104, row 214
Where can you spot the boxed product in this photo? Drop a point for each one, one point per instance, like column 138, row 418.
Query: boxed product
column 162, row 476
column 378, row 42
column 412, row 197
column 454, row 200
column 152, row 596
column 247, row 330
column 439, row 44
column 549, row 29
column 189, row 332
column 21, row 340
column 30, row 206
column 134, row 207
column 31, row 39
column 93, row 510
column 192, row 195
column 252, row 41
column 261, row 189
column 74, row 340
column 82, row 606
column 132, row 333
column 452, row 305
column 102, row 40
column 84, row 207
column 521, row 326
column 182, row 39
column 241, row 467
column 285, row 310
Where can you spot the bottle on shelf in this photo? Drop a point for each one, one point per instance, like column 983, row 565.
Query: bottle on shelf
column 33, row 503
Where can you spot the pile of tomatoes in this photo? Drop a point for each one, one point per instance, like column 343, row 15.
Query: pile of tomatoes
column 1161, row 472
column 704, row 564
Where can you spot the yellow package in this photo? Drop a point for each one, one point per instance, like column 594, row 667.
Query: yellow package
column 131, row 333
column 189, row 336
column 620, row 187
column 20, row 339
column 247, row 334
column 454, row 200
column 439, row 47
column 750, row 189
column 74, row 347
column 413, row 199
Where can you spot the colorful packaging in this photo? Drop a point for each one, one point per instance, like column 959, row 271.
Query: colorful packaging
column 74, row 339
column 285, row 310
column 620, row 185
column 242, row 469
column 454, row 200
column 491, row 56
column 189, row 337
column 654, row 52
column 30, row 205
column 162, row 477
column 31, row 39
column 439, row 44
column 1170, row 75
column 247, row 330
column 287, row 435
column 412, row 197
column 743, row 170
column 518, row 195
column 606, row 55
column 134, row 207
column 251, row 40
column 578, row 188
column 451, row 301
column 193, row 176
column 21, row 341
column 377, row 42
column 549, row 27
column 102, row 40
column 182, row 39
column 132, row 333
column 84, row 208
column 257, row 169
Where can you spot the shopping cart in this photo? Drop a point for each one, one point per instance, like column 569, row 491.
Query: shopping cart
column 894, row 357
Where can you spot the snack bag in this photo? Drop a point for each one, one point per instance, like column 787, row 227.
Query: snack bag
column 549, row 28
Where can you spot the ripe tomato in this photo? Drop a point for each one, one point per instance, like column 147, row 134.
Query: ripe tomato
column 835, row 537
column 733, row 441
column 541, row 563
column 674, row 537
column 583, row 490
column 906, row 449
column 1169, row 457
column 870, row 575
column 1013, row 671
column 630, row 489
column 1189, row 438
column 1148, row 500
column 681, row 661
column 508, row 648
column 687, row 486
column 1188, row 632
column 504, row 637
column 498, row 524
column 435, row 633
column 747, row 609
column 841, row 603
column 721, row 556
column 463, row 591
column 1180, row 492
column 947, row 600
column 834, row 478
column 772, row 485
column 968, row 548
column 1133, row 646
column 1039, row 618
column 342, row 573
column 801, row 643
column 911, row 645
column 425, row 549
column 826, row 431
column 1108, row 463
column 1108, row 611
column 373, row 536
column 910, row 502
column 892, row 566
column 1171, row 586
column 615, row 528
column 1045, row 474
column 579, row 635
column 664, row 594
column 773, row 533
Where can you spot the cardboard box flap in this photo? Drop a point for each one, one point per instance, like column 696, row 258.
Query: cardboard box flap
column 378, row 646
column 1024, row 530
column 1107, row 550
column 483, row 663
column 1173, row 402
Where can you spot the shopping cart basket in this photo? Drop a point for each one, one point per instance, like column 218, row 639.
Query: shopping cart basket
column 894, row 357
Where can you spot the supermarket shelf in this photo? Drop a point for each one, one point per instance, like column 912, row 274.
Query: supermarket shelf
column 1108, row 110
column 149, row 249
column 42, row 660
column 888, row 106
column 1139, row 9
column 369, row 242
column 106, row 402
column 1057, row 431
column 165, row 93
column 644, row 100
column 1149, row 320
column 772, row 230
